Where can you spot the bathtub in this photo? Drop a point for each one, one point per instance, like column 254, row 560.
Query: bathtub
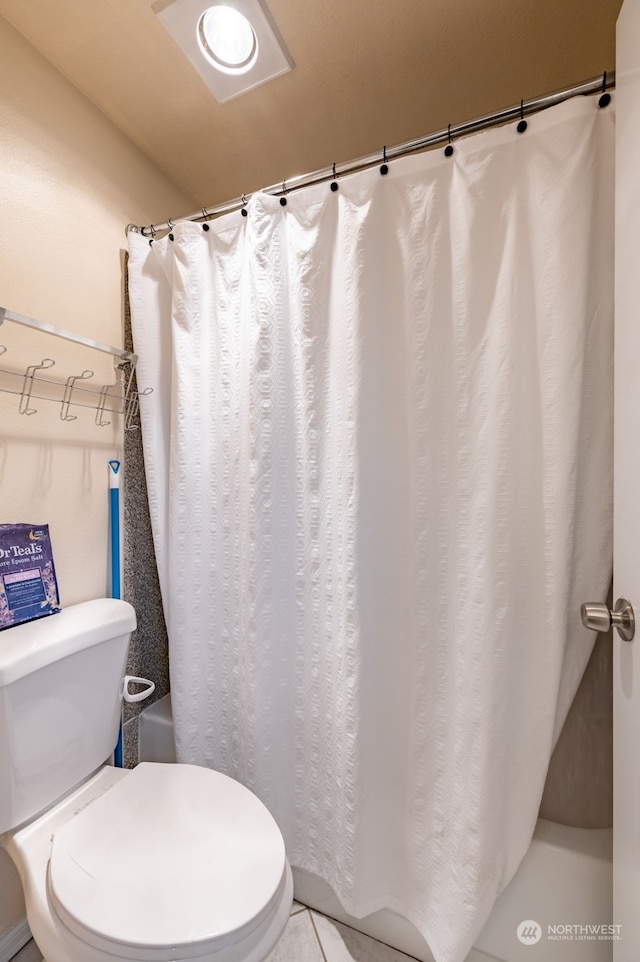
column 564, row 881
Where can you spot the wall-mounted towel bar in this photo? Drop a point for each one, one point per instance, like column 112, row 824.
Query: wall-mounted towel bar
column 119, row 397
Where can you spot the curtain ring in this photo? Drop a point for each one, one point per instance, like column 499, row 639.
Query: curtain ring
column 522, row 125
column 170, row 224
column 205, row 214
column 448, row 150
column 244, row 206
column 334, row 182
column 605, row 98
column 153, row 230
column 283, row 200
column 384, row 169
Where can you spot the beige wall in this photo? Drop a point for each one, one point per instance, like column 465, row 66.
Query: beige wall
column 69, row 184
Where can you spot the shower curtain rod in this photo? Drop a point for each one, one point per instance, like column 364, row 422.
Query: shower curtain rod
column 525, row 107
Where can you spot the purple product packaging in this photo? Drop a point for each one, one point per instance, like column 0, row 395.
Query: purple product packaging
column 28, row 586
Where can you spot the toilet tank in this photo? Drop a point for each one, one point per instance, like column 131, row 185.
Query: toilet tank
column 60, row 702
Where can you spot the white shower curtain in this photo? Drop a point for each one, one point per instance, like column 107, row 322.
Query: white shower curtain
column 378, row 455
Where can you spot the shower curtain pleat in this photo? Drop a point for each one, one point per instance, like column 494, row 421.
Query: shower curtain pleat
column 378, row 454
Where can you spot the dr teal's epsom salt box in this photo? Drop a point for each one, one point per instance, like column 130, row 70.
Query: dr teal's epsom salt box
column 28, row 587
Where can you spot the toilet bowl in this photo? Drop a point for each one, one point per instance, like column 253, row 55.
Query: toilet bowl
column 163, row 863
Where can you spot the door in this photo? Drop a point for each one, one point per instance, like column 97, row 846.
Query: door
column 626, row 655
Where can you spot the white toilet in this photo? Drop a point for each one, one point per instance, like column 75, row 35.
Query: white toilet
column 164, row 863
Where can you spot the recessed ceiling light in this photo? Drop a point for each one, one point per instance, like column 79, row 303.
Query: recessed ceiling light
column 233, row 44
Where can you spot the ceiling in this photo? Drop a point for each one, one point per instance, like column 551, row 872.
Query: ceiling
column 368, row 73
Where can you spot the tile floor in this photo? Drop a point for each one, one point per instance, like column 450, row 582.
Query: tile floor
column 30, row 953
column 308, row 937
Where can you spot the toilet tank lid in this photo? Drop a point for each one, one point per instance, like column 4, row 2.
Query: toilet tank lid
column 34, row 644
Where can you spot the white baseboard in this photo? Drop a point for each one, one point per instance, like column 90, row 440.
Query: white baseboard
column 13, row 940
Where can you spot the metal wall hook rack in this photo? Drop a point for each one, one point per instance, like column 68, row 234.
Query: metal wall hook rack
column 118, row 397
column 102, row 406
column 68, row 390
column 27, row 384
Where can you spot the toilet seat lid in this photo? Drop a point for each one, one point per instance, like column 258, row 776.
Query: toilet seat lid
column 171, row 857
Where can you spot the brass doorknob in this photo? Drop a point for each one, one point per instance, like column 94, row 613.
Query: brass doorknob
column 599, row 617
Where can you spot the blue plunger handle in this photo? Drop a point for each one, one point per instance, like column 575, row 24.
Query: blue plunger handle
column 114, row 504
column 114, row 496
